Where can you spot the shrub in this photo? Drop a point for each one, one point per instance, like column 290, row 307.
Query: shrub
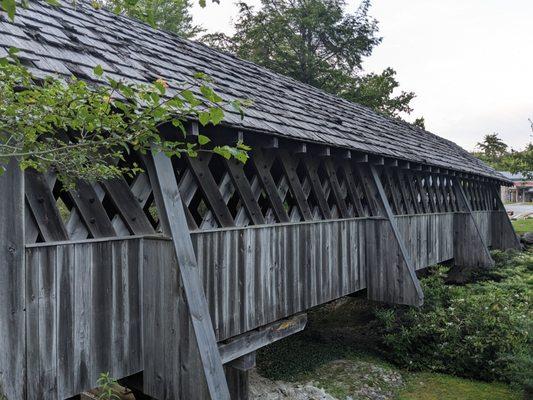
column 479, row 330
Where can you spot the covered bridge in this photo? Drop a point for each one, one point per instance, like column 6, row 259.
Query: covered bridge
column 172, row 280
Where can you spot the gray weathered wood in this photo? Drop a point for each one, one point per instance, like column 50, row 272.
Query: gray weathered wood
column 251, row 341
column 408, row 291
column 470, row 247
column 12, row 284
column 174, row 224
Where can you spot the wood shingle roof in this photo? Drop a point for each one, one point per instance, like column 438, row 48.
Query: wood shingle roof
column 72, row 39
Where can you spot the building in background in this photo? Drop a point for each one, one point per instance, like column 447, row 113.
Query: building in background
column 520, row 192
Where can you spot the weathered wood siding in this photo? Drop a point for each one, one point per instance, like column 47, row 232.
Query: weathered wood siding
column 484, row 221
column 260, row 274
column 85, row 301
column 83, row 315
column 428, row 237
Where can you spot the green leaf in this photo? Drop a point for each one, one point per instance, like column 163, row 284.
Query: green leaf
column 202, row 3
column 10, row 7
column 217, row 115
column 202, row 140
column 223, row 151
column 204, row 117
column 98, row 70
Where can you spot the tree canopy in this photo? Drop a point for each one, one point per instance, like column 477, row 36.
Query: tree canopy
column 317, row 42
column 170, row 15
column 495, row 152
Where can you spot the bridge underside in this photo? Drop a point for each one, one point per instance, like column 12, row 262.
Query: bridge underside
column 179, row 275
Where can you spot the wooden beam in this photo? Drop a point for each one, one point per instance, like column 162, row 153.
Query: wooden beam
column 128, row 206
column 470, row 248
column 262, row 168
column 244, row 363
column 12, row 284
column 359, row 158
column 503, row 234
column 377, row 160
column 174, row 223
column 412, row 291
column 271, row 142
column 193, row 129
column 404, row 165
column 289, row 165
column 238, row 383
column 248, row 342
column 206, row 182
column 44, row 208
column 311, row 169
column 323, row 151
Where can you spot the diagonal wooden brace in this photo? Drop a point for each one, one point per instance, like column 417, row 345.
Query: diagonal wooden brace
column 391, row 275
column 470, row 249
column 174, row 224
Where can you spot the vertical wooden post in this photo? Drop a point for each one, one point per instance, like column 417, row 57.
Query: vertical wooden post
column 238, row 376
column 174, row 223
column 470, row 249
column 12, row 285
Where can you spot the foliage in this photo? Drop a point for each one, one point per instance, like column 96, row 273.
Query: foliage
column 494, row 152
column 376, row 91
column 84, row 131
column 492, row 147
column 318, row 43
column 479, row 330
column 108, row 387
column 170, row 15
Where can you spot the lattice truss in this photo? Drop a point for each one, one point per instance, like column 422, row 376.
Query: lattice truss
column 275, row 186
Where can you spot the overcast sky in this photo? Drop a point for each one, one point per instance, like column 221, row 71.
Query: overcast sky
column 470, row 62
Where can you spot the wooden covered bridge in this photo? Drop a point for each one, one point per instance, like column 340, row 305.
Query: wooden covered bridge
column 172, row 280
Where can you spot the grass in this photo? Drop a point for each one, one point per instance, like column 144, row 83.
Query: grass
column 523, row 225
column 428, row 386
column 345, row 372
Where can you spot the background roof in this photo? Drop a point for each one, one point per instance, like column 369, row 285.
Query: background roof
column 73, row 39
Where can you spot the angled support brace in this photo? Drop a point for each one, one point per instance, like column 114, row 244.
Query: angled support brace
column 174, row 223
column 391, row 275
column 503, row 234
column 469, row 247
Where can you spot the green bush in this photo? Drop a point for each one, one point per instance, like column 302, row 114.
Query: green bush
column 479, row 330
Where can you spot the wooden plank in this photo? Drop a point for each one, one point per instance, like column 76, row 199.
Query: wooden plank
column 394, row 193
column 415, row 296
column 44, row 208
column 311, row 169
column 12, row 284
column 206, row 182
column 238, row 383
column 248, row 197
column 244, row 363
column 470, row 247
column 269, row 186
column 337, row 193
column 413, row 193
column 92, row 211
column 505, row 237
column 174, row 224
column 289, row 166
column 409, row 209
column 128, row 206
column 352, row 189
column 251, row 341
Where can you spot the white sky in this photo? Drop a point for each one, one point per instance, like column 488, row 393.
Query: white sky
column 470, row 62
